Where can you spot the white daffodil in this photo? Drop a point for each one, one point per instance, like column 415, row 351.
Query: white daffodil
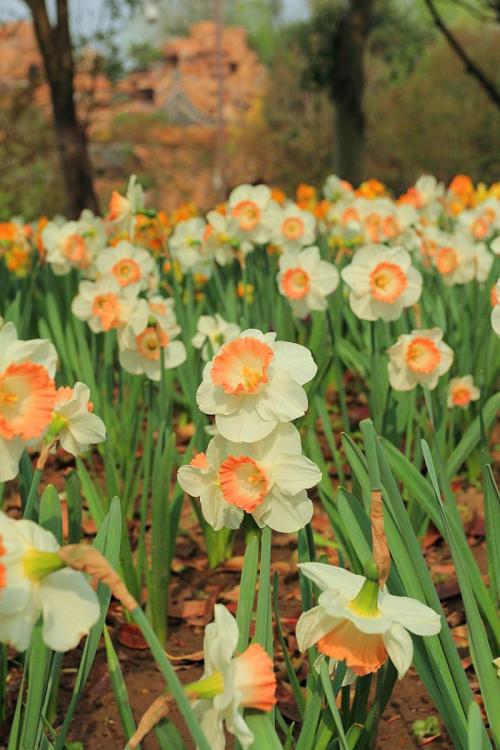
column 68, row 246
column 104, row 305
column 428, row 189
column 231, row 683
column 73, row 423
column 149, row 350
column 221, row 239
column 186, row 241
column 290, row 226
column 483, row 261
column 27, row 395
column 461, row 391
column 455, row 260
column 267, row 479
column 212, row 332
column 35, row 582
column 336, row 189
column 128, row 263
column 306, row 280
column 382, row 282
column 253, row 383
column 357, row 622
column 418, row 358
column 249, row 206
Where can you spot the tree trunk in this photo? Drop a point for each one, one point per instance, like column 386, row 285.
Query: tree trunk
column 347, row 85
column 56, row 49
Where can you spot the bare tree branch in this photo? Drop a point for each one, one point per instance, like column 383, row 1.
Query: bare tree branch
column 470, row 66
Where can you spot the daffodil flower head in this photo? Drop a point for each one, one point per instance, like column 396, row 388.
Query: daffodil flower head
column 255, row 383
column 231, row 682
column 34, row 582
column 361, row 623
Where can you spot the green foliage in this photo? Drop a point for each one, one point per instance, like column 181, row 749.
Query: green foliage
column 30, row 181
column 439, row 120
column 143, row 55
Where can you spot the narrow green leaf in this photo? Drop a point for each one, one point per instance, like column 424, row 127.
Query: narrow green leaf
column 247, row 592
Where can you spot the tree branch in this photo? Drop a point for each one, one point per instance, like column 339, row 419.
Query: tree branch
column 469, row 64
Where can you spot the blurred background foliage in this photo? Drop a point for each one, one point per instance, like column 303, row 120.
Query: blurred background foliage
column 422, row 111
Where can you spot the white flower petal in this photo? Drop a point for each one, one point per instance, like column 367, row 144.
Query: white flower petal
column 399, row 646
column 416, row 617
column 294, row 473
column 333, row 578
column 296, row 359
column 285, row 513
column 312, row 626
column 70, row 608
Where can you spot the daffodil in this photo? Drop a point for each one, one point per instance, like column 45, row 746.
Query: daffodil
column 27, row 395
column 73, row 423
column 231, row 683
column 382, row 282
column 360, row 623
column 418, row 358
column 34, row 582
column 306, row 280
column 267, row 479
column 212, row 332
column 461, row 391
column 253, row 383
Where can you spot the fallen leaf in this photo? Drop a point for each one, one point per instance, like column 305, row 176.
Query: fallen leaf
column 128, row 634
column 195, row 656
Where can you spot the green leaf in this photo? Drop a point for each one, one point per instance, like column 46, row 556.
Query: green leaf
column 247, row 592
column 265, row 737
column 50, row 512
column 472, row 436
column 119, row 688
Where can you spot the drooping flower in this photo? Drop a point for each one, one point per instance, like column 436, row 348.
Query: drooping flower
column 34, row 582
column 212, row 333
column 382, row 282
column 418, row 358
column 73, row 423
column 105, row 305
column 231, row 683
column 305, row 280
column 253, row 383
column 461, row 391
column 267, row 479
column 27, row 395
column 122, row 208
column 357, row 621
column 148, row 350
column 129, row 264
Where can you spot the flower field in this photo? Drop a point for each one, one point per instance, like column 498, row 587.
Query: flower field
column 298, row 390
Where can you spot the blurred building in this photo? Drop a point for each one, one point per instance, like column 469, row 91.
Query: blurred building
column 153, row 121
